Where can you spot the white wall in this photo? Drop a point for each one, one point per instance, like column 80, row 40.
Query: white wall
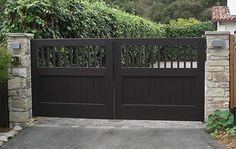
column 226, row 26
column 232, row 6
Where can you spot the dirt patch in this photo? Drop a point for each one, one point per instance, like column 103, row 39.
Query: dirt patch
column 229, row 142
column 3, row 129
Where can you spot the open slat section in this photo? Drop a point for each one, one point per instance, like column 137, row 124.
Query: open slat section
column 71, row 57
column 159, row 56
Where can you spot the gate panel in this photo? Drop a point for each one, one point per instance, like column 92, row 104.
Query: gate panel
column 72, row 78
column 232, row 71
column 154, row 80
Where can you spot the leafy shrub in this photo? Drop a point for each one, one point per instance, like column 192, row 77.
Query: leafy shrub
column 84, row 19
column 4, row 61
column 221, row 121
column 180, row 29
column 75, row 19
column 181, row 22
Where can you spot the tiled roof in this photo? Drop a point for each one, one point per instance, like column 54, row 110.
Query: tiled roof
column 221, row 13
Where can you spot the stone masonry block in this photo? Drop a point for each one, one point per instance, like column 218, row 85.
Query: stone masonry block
column 22, row 72
column 220, row 77
column 215, row 92
column 21, row 104
column 217, row 63
column 14, row 83
column 21, row 117
column 214, row 68
column 220, row 53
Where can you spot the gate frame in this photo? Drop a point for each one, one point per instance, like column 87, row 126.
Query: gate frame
column 232, row 105
column 23, row 117
column 113, row 59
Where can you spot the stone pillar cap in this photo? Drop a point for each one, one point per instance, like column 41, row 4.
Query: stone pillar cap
column 217, row 33
column 20, row 35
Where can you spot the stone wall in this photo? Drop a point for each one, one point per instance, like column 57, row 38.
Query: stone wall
column 19, row 83
column 217, row 73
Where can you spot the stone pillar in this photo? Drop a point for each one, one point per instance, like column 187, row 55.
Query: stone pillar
column 19, row 83
column 217, row 72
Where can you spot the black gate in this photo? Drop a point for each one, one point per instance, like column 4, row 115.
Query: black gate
column 159, row 78
column 150, row 78
column 72, row 78
column 4, row 121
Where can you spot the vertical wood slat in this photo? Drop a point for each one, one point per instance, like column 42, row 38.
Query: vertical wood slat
column 54, row 57
column 101, row 57
column 232, row 71
column 83, row 56
column 71, row 56
column 77, row 57
column 139, row 57
column 177, row 57
column 126, row 57
column 132, row 57
column 159, row 56
column 165, row 56
column 145, row 56
column 152, row 58
column 38, row 57
column 65, row 58
column 95, row 56
column 184, row 59
column 171, row 65
column 48, row 57
column 191, row 60
column 89, row 55
column 59, row 58
column 184, row 62
column 43, row 59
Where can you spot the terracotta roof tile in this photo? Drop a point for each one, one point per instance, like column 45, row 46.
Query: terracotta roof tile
column 221, row 13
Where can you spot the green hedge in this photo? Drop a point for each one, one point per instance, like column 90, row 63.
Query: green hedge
column 75, row 19
column 5, row 59
column 81, row 19
column 194, row 30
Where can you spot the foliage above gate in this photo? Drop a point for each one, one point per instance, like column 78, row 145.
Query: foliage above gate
column 75, row 19
column 5, row 59
column 82, row 19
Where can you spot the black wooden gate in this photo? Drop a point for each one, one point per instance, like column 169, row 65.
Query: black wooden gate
column 4, row 114
column 72, row 78
column 119, row 78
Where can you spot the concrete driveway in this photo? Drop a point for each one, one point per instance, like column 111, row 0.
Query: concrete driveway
column 58, row 133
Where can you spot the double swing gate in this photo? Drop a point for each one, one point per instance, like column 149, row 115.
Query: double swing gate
column 119, row 78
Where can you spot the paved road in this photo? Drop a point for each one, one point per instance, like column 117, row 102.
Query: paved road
column 103, row 134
